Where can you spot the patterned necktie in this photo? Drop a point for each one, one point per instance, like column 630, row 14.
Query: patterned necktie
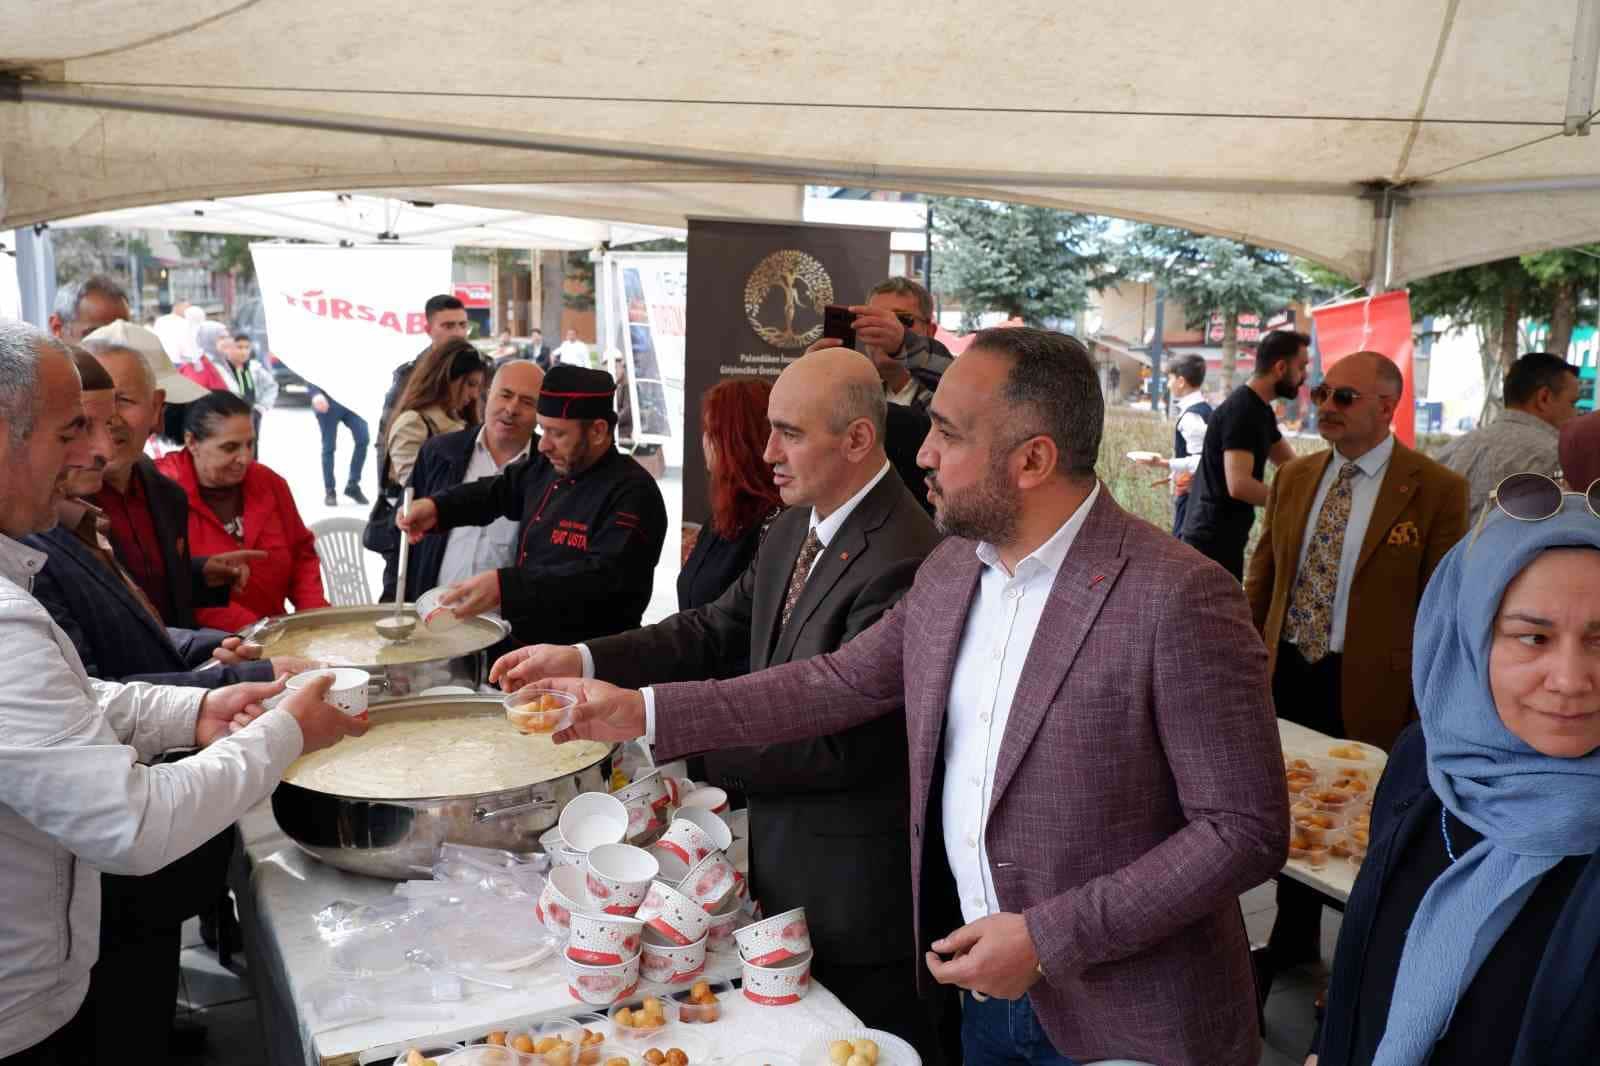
column 1310, row 621
column 802, row 570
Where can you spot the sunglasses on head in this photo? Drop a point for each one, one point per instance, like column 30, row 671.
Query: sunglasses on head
column 1343, row 396
column 1534, row 498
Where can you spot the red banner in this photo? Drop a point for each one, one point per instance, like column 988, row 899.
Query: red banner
column 1375, row 324
column 475, row 293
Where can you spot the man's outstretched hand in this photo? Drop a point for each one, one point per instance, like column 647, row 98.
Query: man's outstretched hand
column 603, row 712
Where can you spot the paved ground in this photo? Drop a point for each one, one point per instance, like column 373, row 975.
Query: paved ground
column 221, row 1000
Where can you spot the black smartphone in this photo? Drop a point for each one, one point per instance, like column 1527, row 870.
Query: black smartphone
column 837, row 322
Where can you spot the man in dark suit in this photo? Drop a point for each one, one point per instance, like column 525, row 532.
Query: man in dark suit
column 828, row 816
column 510, row 411
column 1095, row 769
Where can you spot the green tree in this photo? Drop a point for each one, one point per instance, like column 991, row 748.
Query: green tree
column 84, row 250
column 223, row 253
column 1491, row 299
column 1213, row 274
column 1563, row 273
column 1031, row 263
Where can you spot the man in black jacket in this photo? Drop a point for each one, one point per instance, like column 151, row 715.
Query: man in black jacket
column 828, row 817
column 472, row 454
column 592, row 522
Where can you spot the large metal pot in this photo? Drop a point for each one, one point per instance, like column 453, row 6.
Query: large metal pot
column 394, row 679
column 399, row 839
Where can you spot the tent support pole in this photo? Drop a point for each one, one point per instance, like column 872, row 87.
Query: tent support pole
column 1385, row 206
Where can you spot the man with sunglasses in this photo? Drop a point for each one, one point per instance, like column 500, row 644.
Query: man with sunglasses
column 1541, row 394
column 1349, row 539
column 1242, row 436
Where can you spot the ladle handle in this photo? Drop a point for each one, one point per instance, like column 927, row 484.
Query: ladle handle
column 405, row 550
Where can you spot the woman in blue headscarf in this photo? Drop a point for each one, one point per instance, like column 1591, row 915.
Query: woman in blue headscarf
column 1473, row 932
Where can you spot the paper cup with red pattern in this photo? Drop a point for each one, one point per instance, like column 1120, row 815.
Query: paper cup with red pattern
column 645, row 825
column 604, row 939
column 673, row 868
column 777, row 986
column 563, row 894
column 712, row 824
column 774, row 941
column 687, row 841
column 600, row 986
column 673, row 914
column 710, row 881
column 617, row 876
column 724, row 920
column 710, row 798
column 669, row 963
column 651, row 787
column 739, row 855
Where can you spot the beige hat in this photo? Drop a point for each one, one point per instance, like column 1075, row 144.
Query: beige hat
column 134, row 338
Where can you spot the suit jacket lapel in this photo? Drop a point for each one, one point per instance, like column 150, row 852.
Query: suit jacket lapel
column 774, row 562
column 834, row 560
column 1298, row 508
column 1399, row 488
column 938, row 646
column 1086, row 578
column 66, row 543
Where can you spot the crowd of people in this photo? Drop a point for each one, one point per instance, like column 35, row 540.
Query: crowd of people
column 1034, row 736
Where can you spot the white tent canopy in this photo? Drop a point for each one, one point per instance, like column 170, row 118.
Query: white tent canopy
column 1292, row 123
column 366, row 219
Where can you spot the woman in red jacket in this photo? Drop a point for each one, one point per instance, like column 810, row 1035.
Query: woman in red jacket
column 236, row 502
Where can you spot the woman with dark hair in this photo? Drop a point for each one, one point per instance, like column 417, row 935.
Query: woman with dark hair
column 1471, row 934
column 744, row 500
column 236, row 502
column 441, row 396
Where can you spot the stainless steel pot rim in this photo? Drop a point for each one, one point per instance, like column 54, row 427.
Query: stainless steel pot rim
column 494, row 627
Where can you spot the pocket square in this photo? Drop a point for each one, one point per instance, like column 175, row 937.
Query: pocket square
column 1405, row 533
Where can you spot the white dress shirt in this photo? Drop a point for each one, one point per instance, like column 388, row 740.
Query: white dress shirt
column 827, row 529
column 1193, row 430
column 994, row 646
column 473, row 549
column 1363, row 498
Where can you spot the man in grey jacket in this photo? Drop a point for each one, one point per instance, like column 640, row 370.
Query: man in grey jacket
column 75, row 795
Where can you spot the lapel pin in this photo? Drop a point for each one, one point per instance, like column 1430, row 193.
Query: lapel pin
column 1096, row 580
column 844, row 556
column 1405, row 488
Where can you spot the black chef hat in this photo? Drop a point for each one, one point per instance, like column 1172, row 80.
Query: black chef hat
column 578, row 392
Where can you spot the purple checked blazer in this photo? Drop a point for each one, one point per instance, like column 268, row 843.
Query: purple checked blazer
column 1139, row 788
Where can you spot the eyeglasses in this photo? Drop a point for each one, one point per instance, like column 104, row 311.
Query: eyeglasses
column 907, row 319
column 1344, row 395
column 1534, row 498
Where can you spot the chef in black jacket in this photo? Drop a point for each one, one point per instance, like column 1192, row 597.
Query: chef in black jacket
column 592, row 523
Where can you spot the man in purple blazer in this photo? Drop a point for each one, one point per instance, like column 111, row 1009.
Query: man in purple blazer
column 1095, row 768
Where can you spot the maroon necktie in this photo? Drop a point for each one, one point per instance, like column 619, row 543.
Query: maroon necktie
column 802, row 570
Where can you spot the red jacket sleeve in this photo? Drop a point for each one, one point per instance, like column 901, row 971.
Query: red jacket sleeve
column 305, row 576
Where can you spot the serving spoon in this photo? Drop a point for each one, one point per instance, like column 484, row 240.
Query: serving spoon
column 400, row 626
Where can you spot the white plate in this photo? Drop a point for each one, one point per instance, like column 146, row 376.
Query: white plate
column 437, row 619
column 1143, row 457
column 892, row 1051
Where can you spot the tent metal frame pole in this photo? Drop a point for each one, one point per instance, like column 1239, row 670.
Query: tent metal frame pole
column 1581, row 76
column 1385, row 207
column 816, row 171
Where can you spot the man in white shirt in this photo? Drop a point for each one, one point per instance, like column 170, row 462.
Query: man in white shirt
column 574, row 352
column 1185, row 377
column 843, row 552
column 1095, row 770
column 506, row 437
column 75, row 795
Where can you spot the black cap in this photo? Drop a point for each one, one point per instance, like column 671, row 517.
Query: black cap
column 578, row 392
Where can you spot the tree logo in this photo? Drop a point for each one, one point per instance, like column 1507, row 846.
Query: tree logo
column 806, row 289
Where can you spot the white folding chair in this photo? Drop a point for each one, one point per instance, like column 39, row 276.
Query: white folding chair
column 344, row 560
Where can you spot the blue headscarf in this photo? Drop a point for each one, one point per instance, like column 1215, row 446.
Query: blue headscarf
column 1532, row 809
